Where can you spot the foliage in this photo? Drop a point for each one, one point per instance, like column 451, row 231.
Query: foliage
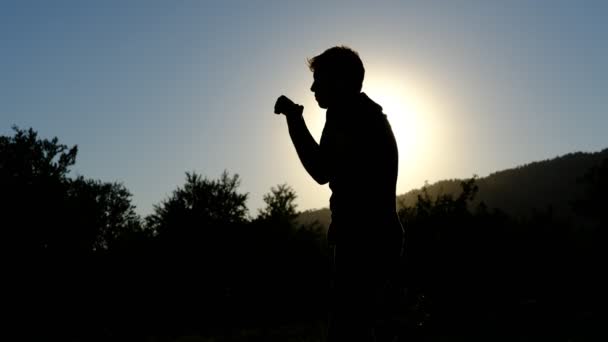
column 594, row 204
column 280, row 203
column 45, row 210
column 200, row 265
column 200, row 202
column 521, row 190
column 106, row 209
column 26, row 159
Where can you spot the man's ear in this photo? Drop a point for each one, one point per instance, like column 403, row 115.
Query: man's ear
column 341, row 85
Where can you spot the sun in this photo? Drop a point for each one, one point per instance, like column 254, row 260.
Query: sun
column 410, row 114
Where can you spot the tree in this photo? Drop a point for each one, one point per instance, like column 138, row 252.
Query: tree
column 288, row 258
column 45, row 210
column 201, row 202
column 594, row 205
column 33, row 179
column 104, row 209
column 280, row 204
column 443, row 247
column 197, row 226
column 26, row 159
column 197, row 231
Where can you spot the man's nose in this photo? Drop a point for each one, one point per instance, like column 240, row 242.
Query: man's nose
column 312, row 87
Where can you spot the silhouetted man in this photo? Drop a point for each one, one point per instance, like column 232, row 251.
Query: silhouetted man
column 357, row 156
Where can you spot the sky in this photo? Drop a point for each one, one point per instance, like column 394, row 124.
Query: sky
column 151, row 89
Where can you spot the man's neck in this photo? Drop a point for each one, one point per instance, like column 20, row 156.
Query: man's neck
column 344, row 103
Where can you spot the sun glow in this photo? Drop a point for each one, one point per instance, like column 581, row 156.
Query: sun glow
column 411, row 115
column 414, row 115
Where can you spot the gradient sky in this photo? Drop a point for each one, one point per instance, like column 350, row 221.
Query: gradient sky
column 151, row 89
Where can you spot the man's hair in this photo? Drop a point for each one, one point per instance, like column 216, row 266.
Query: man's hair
column 341, row 62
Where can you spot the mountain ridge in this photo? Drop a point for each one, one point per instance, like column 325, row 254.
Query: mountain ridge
column 545, row 185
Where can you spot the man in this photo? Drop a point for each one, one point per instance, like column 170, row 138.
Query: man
column 357, row 156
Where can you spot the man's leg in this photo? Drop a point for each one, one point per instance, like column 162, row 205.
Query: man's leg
column 351, row 318
column 362, row 272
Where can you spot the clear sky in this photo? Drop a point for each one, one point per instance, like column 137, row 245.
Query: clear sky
column 151, row 89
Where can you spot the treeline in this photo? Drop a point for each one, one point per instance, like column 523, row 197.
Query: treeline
column 552, row 183
column 82, row 265
column 477, row 272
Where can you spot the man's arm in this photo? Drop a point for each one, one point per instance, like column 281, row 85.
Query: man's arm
column 307, row 148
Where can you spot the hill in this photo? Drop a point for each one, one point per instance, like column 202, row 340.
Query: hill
column 550, row 184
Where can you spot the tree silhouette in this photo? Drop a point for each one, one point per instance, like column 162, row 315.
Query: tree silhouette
column 54, row 228
column 199, row 264
column 198, row 233
column 200, row 202
column 107, row 211
column 595, row 202
column 33, row 179
column 448, row 244
column 27, row 158
column 280, row 203
column 46, row 211
column 288, row 257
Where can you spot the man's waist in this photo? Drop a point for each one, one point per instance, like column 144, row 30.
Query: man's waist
column 349, row 205
column 364, row 227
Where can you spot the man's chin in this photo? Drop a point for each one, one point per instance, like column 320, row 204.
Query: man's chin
column 322, row 104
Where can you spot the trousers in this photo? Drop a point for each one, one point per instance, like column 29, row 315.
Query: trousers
column 363, row 277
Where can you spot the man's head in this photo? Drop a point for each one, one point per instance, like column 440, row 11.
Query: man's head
column 338, row 75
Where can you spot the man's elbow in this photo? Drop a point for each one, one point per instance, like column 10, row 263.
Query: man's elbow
column 317, row 173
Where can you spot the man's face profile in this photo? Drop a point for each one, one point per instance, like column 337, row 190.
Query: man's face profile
column 323, row 88
column 330, row 89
